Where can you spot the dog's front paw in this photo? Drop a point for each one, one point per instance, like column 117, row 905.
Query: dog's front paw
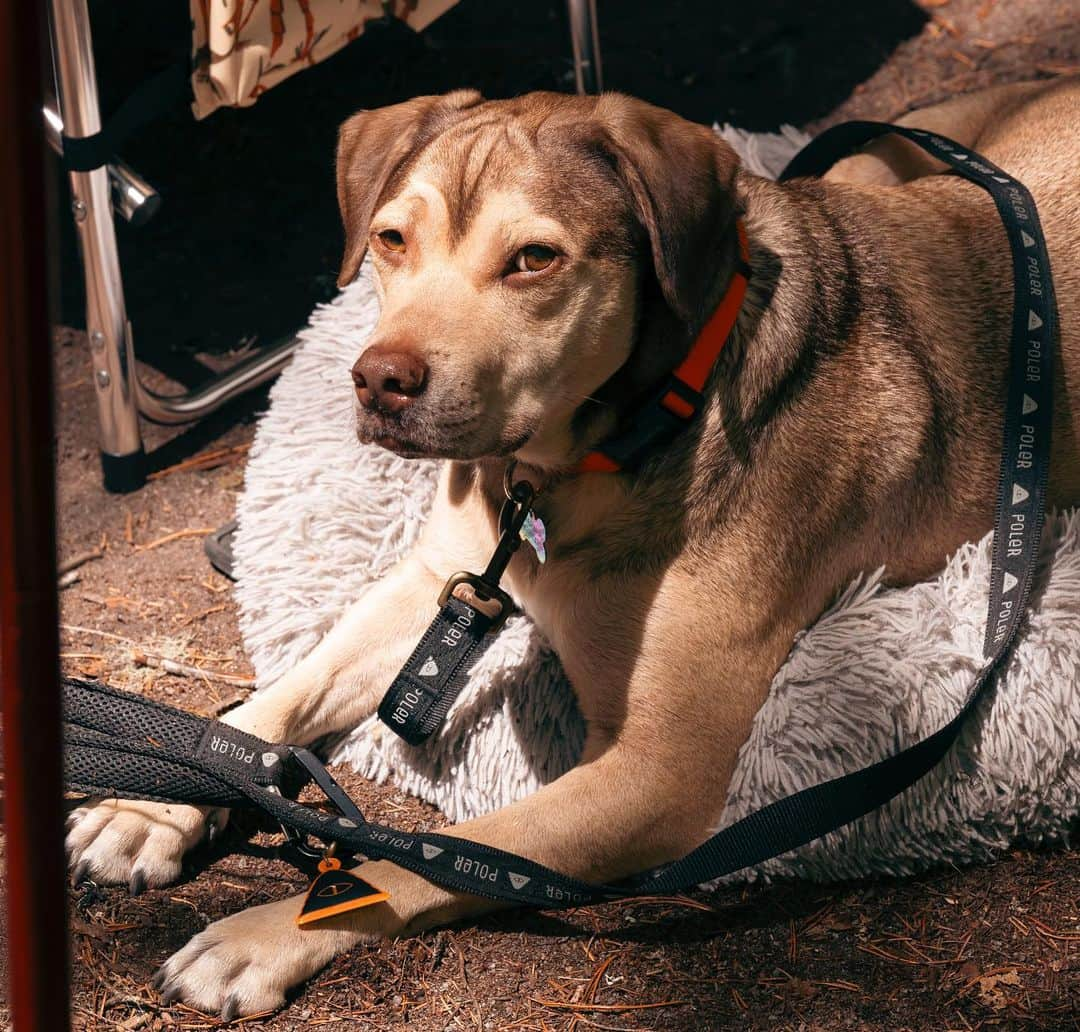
column 246, row 963
column 140, row 844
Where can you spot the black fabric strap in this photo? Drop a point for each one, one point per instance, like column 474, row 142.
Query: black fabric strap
column 187, row 770
column 151, row 98
column 471, row 606
column 117, row 743
column 418, row 699
column 1025, row 458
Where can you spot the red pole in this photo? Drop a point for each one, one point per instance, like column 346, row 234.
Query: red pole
column 29, row 647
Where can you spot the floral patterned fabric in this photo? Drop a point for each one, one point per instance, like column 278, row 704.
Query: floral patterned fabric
column 241, row 48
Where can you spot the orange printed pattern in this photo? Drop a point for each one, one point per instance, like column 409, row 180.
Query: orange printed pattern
column 241, row 48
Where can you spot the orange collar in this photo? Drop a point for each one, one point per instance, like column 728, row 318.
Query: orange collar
column 680, row 398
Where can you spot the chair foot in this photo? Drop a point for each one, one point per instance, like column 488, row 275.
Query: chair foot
column 124, row 473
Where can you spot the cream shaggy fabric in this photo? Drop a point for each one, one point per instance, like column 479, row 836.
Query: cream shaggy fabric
column 322, row 517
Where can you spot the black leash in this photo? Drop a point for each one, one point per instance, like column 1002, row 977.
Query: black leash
column 124, row 745
column 471, row 607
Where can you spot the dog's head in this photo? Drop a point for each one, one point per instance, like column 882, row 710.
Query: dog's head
column 518, row 246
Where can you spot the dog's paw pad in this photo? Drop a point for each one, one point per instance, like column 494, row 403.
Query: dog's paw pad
column 138, row 844
column 246, row 963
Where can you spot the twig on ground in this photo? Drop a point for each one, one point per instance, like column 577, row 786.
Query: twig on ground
column 207, row 460
column 1052, row 933
column 202, row 615
column 681, row 901
column 877, row 951
column 72, row 564
column 171, row 666
column 589, row 996
column 215, row 589
column 607, row 1008
column 76, row 629
column 176, row 535
column 1057, row 68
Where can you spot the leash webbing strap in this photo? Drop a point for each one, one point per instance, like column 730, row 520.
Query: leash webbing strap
column 178, row 741
column 419, row 697
column 1021, row 501
column 117, row 743
column 471, row 607
column 1025, row 457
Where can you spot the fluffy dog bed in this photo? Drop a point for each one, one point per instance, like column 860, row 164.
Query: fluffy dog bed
column 322, row 517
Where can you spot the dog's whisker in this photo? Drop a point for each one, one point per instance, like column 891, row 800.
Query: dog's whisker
column 580, row 399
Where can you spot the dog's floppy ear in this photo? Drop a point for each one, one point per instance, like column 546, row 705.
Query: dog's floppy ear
column 372, row 145
column 679, row 176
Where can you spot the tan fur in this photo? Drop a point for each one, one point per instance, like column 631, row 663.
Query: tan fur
column 853, row 421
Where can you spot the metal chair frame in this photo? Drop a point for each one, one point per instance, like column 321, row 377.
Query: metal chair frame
column 99, row 194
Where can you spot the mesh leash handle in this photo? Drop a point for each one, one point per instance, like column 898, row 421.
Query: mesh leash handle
column 120, row 744
column 101, row 765
column 97, row 707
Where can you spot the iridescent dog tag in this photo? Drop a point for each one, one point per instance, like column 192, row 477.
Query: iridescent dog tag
column 535, row 533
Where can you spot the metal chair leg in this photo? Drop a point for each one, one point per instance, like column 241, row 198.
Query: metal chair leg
column 585, row 39
column 106, row 318
column 133, row 198
column 120, row 396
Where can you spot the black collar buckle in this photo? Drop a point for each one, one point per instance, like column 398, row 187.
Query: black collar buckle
column 667, row 413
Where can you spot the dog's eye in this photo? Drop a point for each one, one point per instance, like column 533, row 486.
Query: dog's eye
column 533, row 258
column 392, row 240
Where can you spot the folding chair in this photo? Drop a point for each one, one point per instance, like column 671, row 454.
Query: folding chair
column 102, row 186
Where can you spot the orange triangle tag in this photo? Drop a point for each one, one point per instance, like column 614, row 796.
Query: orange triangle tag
column 335, row 891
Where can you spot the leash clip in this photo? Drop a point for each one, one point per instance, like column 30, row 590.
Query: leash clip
column 476, row 592
column 298, row 843
column 482, row 591
column 420, row 697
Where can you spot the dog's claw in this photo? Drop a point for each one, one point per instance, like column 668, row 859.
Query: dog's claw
column 78, row 875
column 246, row 963
column 136, row 843
column 230, row 1009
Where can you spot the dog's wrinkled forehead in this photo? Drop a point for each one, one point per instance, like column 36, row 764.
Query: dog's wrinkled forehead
column 616, row 172
column 540, row 167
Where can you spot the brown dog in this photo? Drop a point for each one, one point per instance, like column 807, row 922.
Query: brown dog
column 542, row 262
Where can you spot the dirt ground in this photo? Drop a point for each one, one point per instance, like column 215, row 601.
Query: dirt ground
column 996, row 946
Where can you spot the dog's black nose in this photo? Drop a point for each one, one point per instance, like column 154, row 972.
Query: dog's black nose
column 389, row 380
